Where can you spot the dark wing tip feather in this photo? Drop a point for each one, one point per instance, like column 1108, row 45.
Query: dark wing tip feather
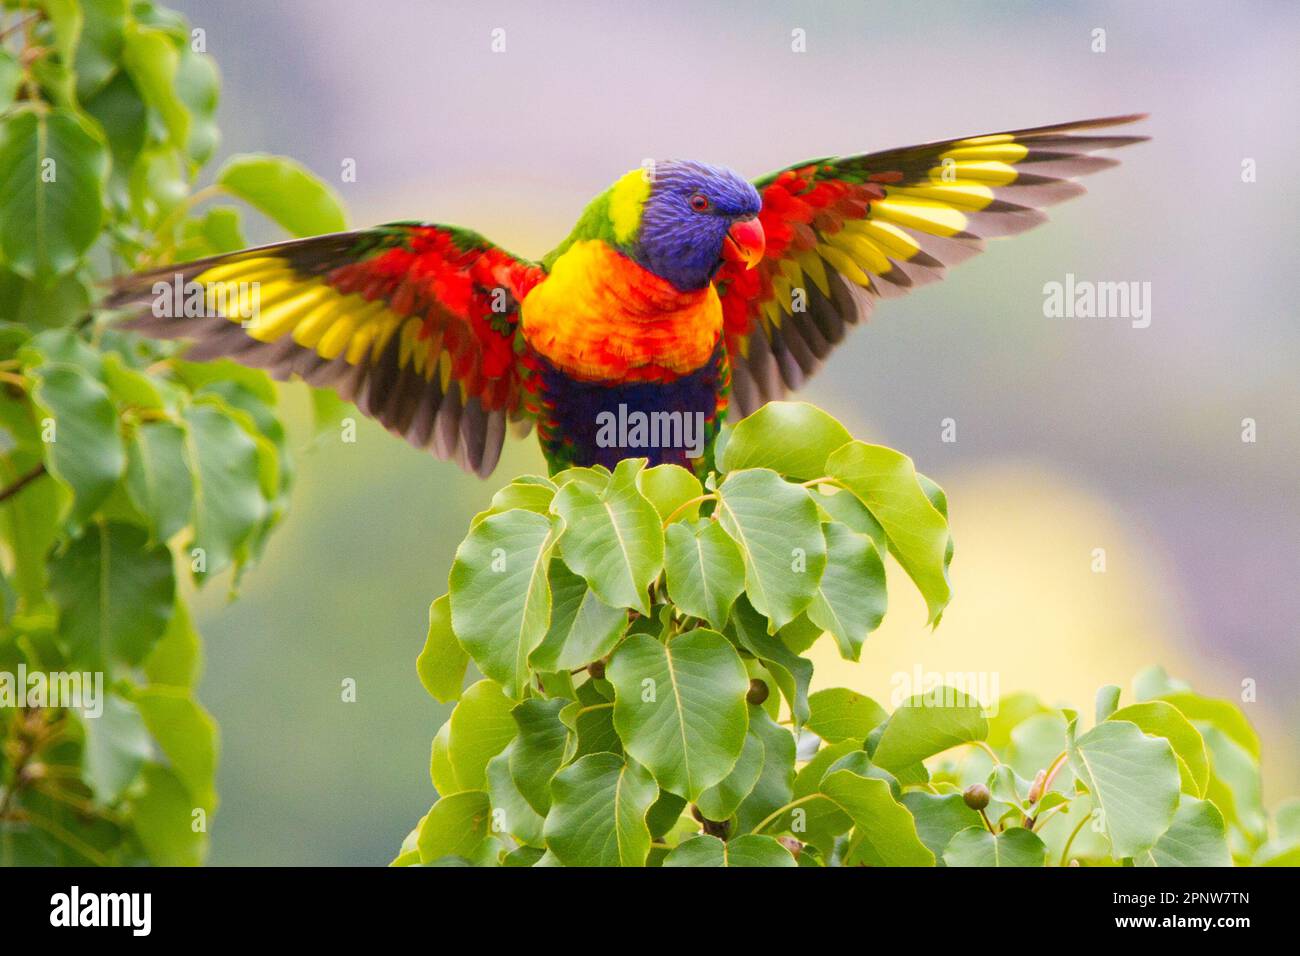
column 407, row 403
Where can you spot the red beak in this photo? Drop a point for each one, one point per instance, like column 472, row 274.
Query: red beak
column 745, row 242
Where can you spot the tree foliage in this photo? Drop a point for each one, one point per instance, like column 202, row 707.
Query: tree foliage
column 646, row 699
column 123, row 469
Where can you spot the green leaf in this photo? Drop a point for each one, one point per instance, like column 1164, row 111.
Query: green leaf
column 529, row 492
column 228, row 500
column 939, row 818
column 101, row 45
column 53, row 168
column 664, row 813
column 1222, row 714
column 851, row 597
column 975, row 846
column 67, row 19
column 117, row 746
column 481, row 727
column 598, row 812
column 132, row 388
column 776, row 783
column 777, row 527
column 539, row 750
column 11, row 74
column 177, row 658
column 751, row 849
column 30, row 522
column 119, row 110
column 1234, row 782
column 721, row 800
column 841, row 714
column 198, row 85
column 596, row 477
column 220, row 230
column 1154, row 681
column 85, row 449
column 187, row 735
column 285, row 192
column 114, row 592
column 591, row 718
column 668, row 488
column 454, row 826
column 792, row 673
column 39, row 306
column 500, row 600
column 705, row 570
column 680, row 708
column 515, row 816
column 1107, row 701
column 157, row 481
column 583, row 627
column 1012, row 710
column 1035, row 743
column 442, row 663
column 884, row 833
column 928, row 724
column 1197, row 837
column 163, row 817
column 1160, row 719
column 1287, row 820
column 441, row 772
column 819, row 822
column 151, row 58
column 1009, row 788
column 793, row 439
column 613, row 538
column 886, row 482
column 1133, row 780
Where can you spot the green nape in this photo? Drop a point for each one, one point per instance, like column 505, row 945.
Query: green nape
column 593, row 224
column 613, row 217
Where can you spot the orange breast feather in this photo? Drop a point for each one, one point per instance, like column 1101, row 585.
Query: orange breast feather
column 599, row 317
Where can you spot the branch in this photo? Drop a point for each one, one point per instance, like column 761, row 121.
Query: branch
column 20, row 24
column 22, row 482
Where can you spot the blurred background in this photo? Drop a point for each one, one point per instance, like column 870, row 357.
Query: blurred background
column 1071, row 434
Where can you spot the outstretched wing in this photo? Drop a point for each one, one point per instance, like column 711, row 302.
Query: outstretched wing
column 415, row 322
column 843, row 232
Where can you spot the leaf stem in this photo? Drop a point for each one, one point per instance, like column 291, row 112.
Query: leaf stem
column 20, row 24
column 1065, row 852
column 22, row 482
column 67, row 838
column 699, row 499
column 781, row 811
column 163, row 231
column 589, row 708
column 1041, row 820
column 824, row 480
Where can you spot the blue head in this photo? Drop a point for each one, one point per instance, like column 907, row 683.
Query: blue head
column 694, row 215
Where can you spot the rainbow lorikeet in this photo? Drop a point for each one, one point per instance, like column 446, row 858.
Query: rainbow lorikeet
column 685, row 293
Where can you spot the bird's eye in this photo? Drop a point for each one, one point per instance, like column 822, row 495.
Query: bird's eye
column 700, row 202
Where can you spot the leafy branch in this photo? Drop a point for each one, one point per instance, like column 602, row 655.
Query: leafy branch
column 643, row 637
column 155, row 467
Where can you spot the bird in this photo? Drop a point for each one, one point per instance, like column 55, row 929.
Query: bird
column 685, row 296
